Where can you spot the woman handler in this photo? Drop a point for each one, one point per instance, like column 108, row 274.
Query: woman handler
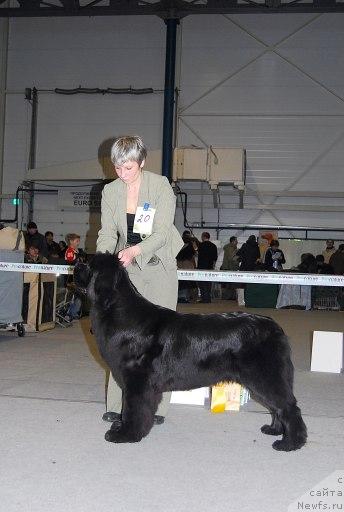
column 137, row 215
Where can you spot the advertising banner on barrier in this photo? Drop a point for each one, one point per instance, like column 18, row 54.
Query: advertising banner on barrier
column 79, row 199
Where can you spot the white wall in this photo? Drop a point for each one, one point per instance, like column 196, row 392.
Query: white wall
column 273, row 84
column 66, row 53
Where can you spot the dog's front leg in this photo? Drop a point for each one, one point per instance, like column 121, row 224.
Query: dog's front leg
column 137, row 416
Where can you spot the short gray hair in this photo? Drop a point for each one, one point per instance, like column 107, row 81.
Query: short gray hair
column 128, row 147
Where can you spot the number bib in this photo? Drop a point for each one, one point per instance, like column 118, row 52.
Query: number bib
column 143, row 222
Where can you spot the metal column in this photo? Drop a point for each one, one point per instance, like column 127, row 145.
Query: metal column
column 170, row 67
column 3, row 74
column 32, row 97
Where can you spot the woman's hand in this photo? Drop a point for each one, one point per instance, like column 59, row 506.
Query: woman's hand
column 126, row 256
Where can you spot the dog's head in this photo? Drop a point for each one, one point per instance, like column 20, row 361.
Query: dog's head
column 99, row 278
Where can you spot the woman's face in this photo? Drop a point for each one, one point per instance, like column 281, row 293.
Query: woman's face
column 130, row 171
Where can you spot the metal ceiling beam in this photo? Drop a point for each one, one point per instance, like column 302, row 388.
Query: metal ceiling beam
column 166, row 8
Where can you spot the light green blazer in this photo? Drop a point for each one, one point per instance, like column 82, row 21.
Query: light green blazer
column 165, row 241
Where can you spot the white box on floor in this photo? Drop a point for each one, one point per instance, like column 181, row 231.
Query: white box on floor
column 327, row 352
column 192, row 397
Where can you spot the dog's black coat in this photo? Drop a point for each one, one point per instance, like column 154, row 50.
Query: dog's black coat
column 151, row 349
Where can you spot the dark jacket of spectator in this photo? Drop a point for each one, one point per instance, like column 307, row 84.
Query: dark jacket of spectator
column 249, row 253
column 274, row 257
column 207, row 255
column 186, row 256
column 308, row 264
column 52, row 246
column 230, row 258
column 337, row 260
column 323, row 268
column 35, row 239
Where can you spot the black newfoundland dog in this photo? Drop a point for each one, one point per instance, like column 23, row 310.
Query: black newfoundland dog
column 151, row 349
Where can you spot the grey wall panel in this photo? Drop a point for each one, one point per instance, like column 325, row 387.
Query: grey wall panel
column 63, row 52
column 86, row 67
column 271, row 30
column 73, row 127
column 272, row 84
column 97, row 32
column 284, row 106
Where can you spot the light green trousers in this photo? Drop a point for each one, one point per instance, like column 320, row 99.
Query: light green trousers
column 159, row 286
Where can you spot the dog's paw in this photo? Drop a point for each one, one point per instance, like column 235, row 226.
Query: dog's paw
column 114, row 436
column 271, row 431
column 121, row 436
column 285, row 445
column 116, row 424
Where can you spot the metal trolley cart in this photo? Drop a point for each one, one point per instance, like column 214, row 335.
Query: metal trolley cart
column 11, row 293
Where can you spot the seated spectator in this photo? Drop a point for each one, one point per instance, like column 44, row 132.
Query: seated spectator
column 274, row 257
column 36, row 239
column 32, row 255
column 308, row 264
column 323, row 268
column 337, row 260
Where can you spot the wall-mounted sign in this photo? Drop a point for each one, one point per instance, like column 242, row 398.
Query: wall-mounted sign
column 79, row 199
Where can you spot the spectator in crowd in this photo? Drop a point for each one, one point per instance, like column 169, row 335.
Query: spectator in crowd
column 187, row 290
column 337, row 260
column 230, row 258
column 207, row 256
column 230, row 262
column 32, row 255
column 323, row 268
column 53, row 247
column 330, row 249
column 36, row 239
column 249, row 254
column 72, row 255
column 63, row 246
column 308, row 264
column 274, row 257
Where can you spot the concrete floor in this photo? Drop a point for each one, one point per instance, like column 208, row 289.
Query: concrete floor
column 53, row 456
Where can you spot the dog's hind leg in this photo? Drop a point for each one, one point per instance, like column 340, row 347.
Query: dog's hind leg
column 276, row 427
column 274, row 390
column 137, row 416
column 286, row 418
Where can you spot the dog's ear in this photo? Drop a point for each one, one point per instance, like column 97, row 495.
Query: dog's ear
column 106, row 271
column 82, row 275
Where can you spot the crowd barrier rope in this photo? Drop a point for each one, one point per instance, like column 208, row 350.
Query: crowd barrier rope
column 218, row 276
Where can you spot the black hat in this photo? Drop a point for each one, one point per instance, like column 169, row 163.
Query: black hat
column 32, row 225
